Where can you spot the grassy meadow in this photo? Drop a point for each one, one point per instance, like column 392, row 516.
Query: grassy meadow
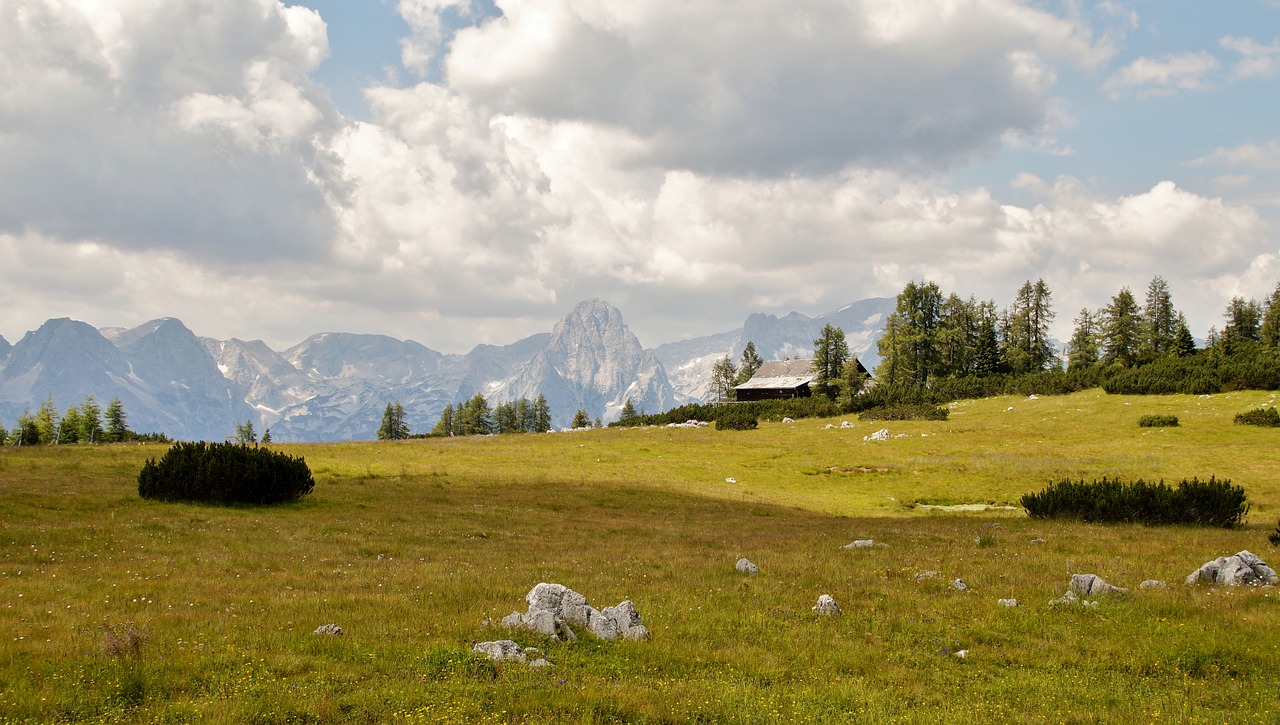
column 114, row 609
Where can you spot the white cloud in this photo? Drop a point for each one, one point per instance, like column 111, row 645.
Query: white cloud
column 772, row 87
column 166, row 124
column 1259, row 156
column 1257, row 61
column 1149, row 77
column 173, row 158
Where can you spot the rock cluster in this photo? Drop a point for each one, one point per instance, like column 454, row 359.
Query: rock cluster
column 504, row 649
column 880, row 435
column 553, row 607
column 689, row 424
column 1243, row 568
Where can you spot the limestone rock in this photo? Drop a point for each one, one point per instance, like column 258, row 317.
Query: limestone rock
column 880, row 435
column 553, row 607
column 1152, row 584
column 1244, row 568
column 827, row 606
column 745, row 566
column 1092, row 585
column 960, row 586
column 331, row 630
column 860, row 544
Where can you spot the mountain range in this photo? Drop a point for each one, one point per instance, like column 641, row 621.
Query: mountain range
column 335, row 386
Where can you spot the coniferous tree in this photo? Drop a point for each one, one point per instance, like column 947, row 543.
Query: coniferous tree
column 474, row 417
column 1184, row 343
column 986, row 348
column 1083, row 350
column 628, row 410
column 46, row 421
column 581, row 419
column 1028, row 348
column 524, row 415
column 28, row 431
column 1159, row 321
column 723, row 375
column 957, row 333
column 1269, row 331
column 69, row 427
column 830, row 352
column 245, row 433
column 393, row 426
column 1244, row 323
column 90, row 421
column 1121, row 330
column 117, row 422
column 266, row 435
column 444, row 426
column 750, row 363
column 541, row 415
column 910, row 355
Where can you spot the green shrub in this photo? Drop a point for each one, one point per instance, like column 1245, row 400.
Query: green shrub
column 225, row 473
column 1204, row 503
column 736, row 418
column 1266, row 417
column 1158, row 421
column 905, row 411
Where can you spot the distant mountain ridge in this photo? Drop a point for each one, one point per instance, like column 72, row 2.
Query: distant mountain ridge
column 335, row 386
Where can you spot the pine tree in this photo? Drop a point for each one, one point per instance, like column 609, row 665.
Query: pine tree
column 90, row 421
column 830, row 352
column 393, row 427
column 541, row 415
column 474, row 417
column 1159, row 321
column 909, row 349
column 444, row 426
column 1244, row 323
column 245, row 433
column 750, row 363
column 1083, row 350
column 581, row 419
column 1270, row 329
column 628, row 410
column 69, row 427
column 266, row 435
column 46, row 422
column 1184, row 344
column 117, row 422
column 1028, row 347
column 1121, row 330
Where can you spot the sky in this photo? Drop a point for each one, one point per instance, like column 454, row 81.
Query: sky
column 459, row 172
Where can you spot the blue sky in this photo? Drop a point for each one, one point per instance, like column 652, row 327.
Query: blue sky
column 459, row 172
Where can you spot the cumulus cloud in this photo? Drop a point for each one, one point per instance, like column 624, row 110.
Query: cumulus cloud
column 1163, row 76
column 773, row 87
column 177, row 124
column 574, row 148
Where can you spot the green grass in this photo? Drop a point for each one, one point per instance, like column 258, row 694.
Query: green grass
column 410, row 546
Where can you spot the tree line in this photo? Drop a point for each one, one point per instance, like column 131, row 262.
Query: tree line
column 474, row 417
column 86, row 423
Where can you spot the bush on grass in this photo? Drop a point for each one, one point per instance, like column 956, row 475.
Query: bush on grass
column 225, row 473
column 735, row 418
column 1265, row 417
column 1204, row 503
column 1158, row 421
